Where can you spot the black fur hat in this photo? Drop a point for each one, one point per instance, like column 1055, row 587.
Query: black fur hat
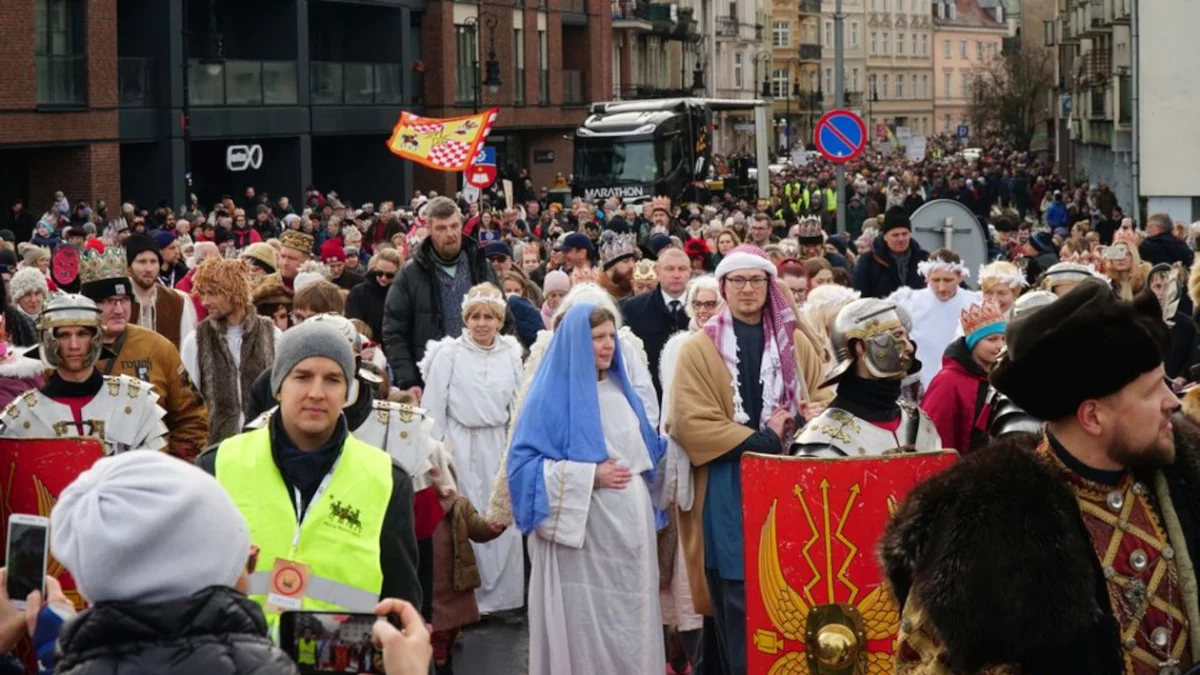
column 1087, row 344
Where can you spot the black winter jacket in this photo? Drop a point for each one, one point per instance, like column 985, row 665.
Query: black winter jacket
column 1165, row 248
column 365, row 302
column 217, row 631
column 875, row 276
column 412, row 312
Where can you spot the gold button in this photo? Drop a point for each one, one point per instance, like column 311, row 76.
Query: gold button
column 27, row 425
column 128, row 410
column 403, row 434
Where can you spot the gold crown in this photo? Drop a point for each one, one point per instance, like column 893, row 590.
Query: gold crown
column 644, row 271
column 295, row 239
column 978, row 316
column 95, row 266
column 663, row 203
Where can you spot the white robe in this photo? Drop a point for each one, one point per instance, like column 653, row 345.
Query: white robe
column 593, row 593
column 934, row 323
column 469, row 392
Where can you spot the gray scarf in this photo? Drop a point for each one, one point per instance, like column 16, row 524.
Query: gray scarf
column 453, row 289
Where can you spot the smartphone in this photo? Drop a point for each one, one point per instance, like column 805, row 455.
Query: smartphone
column 28, row 548
column 331, row 642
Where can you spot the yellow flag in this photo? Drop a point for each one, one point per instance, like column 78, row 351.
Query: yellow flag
column 444, row 144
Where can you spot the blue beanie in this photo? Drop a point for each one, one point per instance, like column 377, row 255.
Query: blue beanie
column 990, row 329
column 164, row 238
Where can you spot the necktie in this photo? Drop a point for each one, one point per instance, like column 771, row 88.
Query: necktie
column 675, row 310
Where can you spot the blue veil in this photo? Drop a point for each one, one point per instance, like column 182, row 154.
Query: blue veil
column 561, row 416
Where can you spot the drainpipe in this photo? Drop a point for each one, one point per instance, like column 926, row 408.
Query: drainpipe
column 1136, row 171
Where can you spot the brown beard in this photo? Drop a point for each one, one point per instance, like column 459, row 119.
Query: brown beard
column 142, row 284
column 622, row 280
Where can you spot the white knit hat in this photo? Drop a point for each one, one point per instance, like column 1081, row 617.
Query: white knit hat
column 146, row 527
column 27, row 280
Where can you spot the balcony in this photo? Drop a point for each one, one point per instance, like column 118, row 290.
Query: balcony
column 730, row 27
column 1099, row 105
column 136, row 82
column 238, row 82
column 810, row 52
column 631, row 14
column 810, row 7
column 1098, row 132
column 574, row 87
column 356, row 83
column 641, row 92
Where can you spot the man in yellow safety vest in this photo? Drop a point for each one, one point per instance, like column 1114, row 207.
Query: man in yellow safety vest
column 306, row 650
column 331, row 515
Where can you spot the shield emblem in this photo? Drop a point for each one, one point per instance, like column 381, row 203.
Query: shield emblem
column 816, row 601
column 33, row 473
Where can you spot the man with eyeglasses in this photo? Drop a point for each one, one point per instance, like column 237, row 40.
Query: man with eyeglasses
column 142, row 353
column 656, row 316
column 736, row 390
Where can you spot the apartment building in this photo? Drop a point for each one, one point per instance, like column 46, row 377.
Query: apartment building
column 967, row 38
column 900, row 88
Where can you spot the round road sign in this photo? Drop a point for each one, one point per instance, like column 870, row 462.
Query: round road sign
column 840, row 135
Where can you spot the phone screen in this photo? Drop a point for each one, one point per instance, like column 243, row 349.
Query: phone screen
column 26, row 559
column 322, row 642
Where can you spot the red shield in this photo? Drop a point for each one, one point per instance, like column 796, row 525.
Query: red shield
column 811, row 531
column 33, row 473
column 481, row 175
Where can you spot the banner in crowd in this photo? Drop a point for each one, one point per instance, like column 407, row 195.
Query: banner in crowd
column 812, row 574
column 443, row 144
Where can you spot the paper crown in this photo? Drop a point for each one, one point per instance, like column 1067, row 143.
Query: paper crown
column 616, row 247
column 810, row 230
column 95, row 266
column 661, row 204
column 644, row 271
column 978, row 316
column 295, row 239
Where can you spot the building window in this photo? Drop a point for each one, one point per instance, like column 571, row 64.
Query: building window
column 947, row 127
column 781, row 34
column 900, row 5
column 900, row 44
column 979, row 50
column 886, row 40
column 874, row 43
column 962, row 48
column 914, row 45
column 466, row 66
column 59, row 52
column 899, row 86
column 738, row 80
column 946, row 49
column 854, row 34
column 924, row 45
column 873, row 5
column 543, row 68
column 966, row 85
column 829, row 79
column 948, row 86
column 779, row 83
column 854, row 80
column 874, row 82
column 924, row 86
column 519, row 66
column 883, row 87
column 829, row 32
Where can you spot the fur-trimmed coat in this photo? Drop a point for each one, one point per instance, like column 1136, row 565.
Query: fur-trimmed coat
column 991, row 558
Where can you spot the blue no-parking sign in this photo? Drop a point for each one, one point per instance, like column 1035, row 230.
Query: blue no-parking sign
column 840, row 135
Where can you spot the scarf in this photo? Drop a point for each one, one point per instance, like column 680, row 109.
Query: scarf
column 565, row 382
column 871, row 400
column 778, row 372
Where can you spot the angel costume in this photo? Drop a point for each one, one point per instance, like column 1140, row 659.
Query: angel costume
column 934, row 322
column 636, row 368
column 593, row 601
column 469, row 393
column 120, row 411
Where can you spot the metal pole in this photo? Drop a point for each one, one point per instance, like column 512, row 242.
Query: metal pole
column 187, row 116
column 839, row 100
column 1135, row 208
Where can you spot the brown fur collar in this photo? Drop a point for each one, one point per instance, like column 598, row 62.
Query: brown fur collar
column 221, row 378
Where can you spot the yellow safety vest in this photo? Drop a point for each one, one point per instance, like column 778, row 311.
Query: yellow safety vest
column 339, row 537
column 306, row 652
column 830, row 200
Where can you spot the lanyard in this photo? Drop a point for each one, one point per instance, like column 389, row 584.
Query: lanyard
column 302, row 513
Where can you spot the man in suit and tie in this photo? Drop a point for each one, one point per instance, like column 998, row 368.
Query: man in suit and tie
column 656, row 316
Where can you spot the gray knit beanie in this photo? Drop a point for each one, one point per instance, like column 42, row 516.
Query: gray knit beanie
column 146, row 527
column 312, row 338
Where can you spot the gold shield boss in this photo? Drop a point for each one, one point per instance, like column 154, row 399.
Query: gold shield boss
column 816, row 601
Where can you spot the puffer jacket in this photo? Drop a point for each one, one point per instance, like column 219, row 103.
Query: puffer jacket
column 217, row 631
column 412, row 311
column 875, row 275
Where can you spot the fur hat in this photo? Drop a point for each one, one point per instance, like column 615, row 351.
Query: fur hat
column 1119, row 341
column 298, row 241
column 309, row 272
column 223, row 276
column 271, row 291
column 26, row 281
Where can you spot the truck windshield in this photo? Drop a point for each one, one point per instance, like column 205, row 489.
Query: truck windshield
column 612, row 161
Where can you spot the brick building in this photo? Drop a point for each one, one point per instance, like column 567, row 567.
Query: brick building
column 58, row 97
column 554, row 58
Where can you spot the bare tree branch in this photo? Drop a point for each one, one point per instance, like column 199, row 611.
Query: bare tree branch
column 1009, row 94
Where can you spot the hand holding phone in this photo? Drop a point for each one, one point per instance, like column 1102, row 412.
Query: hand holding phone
column 28, row 546
column 406, row 651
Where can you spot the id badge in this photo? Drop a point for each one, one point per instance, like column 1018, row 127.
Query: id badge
column 289, row 582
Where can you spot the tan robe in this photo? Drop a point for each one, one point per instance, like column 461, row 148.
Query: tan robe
column 701, row 421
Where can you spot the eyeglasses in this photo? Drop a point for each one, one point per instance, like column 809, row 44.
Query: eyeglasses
column 740, row 282
column 385, row 275
column 705, row 304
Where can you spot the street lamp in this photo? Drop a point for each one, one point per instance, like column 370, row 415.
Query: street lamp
column 764, row 58
column 875, row 99
column 787, row 115
column 491, row 77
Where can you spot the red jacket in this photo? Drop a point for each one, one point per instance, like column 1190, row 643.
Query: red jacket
column 957, row 400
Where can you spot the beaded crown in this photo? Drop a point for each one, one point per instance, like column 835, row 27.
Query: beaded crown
column 615, row 246
column 810, row 229
column 644, row 271
column 978, row 316
column 95, row 266
column 660, row 203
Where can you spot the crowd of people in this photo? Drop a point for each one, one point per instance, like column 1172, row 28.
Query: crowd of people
column 562, row 393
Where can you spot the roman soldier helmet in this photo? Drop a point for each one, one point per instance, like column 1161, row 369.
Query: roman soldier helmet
column 67, row 310
column 871, row 321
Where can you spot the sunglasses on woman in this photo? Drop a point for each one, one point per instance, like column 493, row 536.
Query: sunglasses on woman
column 384, row 275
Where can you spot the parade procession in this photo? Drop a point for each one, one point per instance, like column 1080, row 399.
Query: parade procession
column 565, row 339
